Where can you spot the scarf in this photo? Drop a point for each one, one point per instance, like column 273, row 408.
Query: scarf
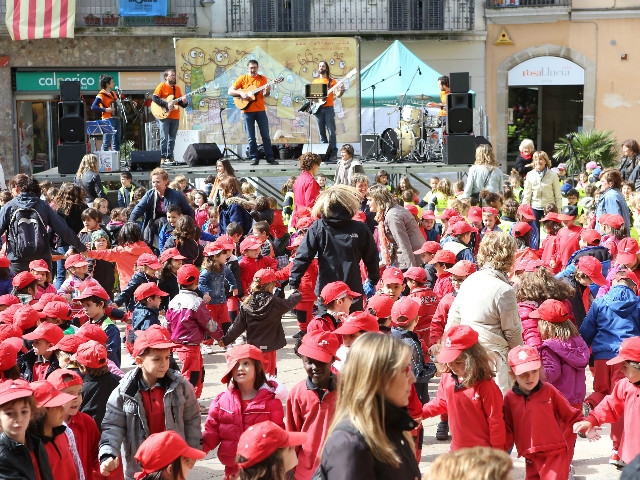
column 383, row 240
column 526, row 157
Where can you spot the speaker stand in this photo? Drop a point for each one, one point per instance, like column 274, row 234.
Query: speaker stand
column 224, row 140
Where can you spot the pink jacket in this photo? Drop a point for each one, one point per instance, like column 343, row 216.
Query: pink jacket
column 530, row 333
column 125, row 258
column 305, row 192
column 188, row 319
column 226, row 421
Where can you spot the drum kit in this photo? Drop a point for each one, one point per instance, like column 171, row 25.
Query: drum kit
column 418, row 136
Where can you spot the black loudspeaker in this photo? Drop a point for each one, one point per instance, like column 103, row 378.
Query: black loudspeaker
column 199, row 154
column 145, row 160
column 70, row 91
column 369, row 145
column 459, row 82
column 69, row 157
column 459, row 113
column 459, row 150
column 71, row 122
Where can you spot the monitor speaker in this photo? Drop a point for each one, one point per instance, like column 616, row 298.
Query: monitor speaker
column 369, row 145
column 71, row 122
column 70, row 91
column 459, row 113
column 199, row 154
column 69, row 157
column 459, row 150
column 459, row 82
column 144, row 160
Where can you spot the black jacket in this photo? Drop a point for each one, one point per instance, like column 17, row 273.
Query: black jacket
column 628, row 165
column 340, row 244
column 346, row 455
column 73, row 219
column 28, row 360
column 521, row 165
column 92, row 185
column 170, row 285
column 95, row 393
column 15, row 459
column 146, row 207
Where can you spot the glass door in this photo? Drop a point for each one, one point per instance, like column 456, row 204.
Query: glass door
column 37, row 131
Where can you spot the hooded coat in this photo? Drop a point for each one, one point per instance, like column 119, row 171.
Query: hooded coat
column 564, row 363
column 235, row 209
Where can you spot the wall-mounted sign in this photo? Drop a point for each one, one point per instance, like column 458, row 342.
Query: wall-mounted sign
column 50, row 81
column 146, row 8
column 140, row 80
column 546, row 71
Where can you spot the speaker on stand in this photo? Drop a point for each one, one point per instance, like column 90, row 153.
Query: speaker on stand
column 72, row 145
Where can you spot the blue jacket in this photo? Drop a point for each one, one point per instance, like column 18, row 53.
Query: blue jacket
column 143, row 317
column 147, row 206
column 214, row 284
column 611, row 319
column 612, row 201
column 235, row 209
column 126, row 297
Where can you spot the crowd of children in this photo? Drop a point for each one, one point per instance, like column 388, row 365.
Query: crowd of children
column 68, row 411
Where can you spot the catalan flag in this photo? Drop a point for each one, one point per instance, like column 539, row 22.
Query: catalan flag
column 34, row 19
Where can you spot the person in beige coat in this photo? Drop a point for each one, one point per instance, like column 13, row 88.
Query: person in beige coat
column 541, row 186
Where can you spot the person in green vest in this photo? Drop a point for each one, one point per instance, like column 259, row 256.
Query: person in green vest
column 288, row 203
column 125, row 192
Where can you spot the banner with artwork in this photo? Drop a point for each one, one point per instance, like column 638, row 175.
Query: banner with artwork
column 217, row 63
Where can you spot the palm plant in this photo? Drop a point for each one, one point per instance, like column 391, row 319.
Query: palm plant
column 592, row 145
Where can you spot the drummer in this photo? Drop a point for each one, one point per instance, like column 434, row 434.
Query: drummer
column 443, row 83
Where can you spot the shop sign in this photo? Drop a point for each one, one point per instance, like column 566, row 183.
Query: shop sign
column 546, row 71
column 140, row 81
column 50, row 81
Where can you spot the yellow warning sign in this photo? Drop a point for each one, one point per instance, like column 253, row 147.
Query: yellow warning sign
column 503, row 38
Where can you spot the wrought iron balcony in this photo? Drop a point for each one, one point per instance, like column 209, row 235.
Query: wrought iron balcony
column 104, row 13
column 527, row 3
column 349, row 16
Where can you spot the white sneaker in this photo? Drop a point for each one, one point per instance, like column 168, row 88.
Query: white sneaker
column 206, row 349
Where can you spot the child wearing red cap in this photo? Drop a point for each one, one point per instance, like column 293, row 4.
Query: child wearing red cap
column 392, row 282
column 163, row 447
column 147, row 266
column 5, row 275
column 22, row 455
column 468, row 393
column 549, row 252
column 77, row 272
column 416, row 278
column 252, row 260
column 426, row 252
column 312, row 402
column 538, row 418
column 351, row 328
column 337, row 299
column 380, row 307
column 148, row 298
column 614, row 229
column 260, row 316
column 171, row 261
column 25, row 287
column 188, row 322
column 249, row 399
column 568, row 235
column 432, row 230
column 10, row 348
column 94, row 300
column 442, row 260
column 489, row 221
column 151, row 398
column 216, row 279
column 40, row 270
column 623, row 399
column 39, row 362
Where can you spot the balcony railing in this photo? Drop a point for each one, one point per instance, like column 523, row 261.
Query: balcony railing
column 104, row 13
column 349, row 16
column 527, row 3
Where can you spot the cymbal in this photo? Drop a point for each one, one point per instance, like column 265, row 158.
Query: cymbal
column 390, row 105
column 422, row 97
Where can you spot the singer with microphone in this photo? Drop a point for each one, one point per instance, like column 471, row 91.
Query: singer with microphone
column 443, row 83
column 105, row 104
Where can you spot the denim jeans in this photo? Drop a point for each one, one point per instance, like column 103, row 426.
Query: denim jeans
column 168, row 131
column 112, row 140
column 60, row 271
column 250, row 120
column 326, row 119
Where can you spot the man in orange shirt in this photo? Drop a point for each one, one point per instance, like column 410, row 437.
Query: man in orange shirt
column 255, row 111
column 325, row 116
column 169, row 126
column 443, row 83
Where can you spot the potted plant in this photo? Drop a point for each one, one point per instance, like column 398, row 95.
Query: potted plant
column 172, row 19
column 92, row 21
column 586, row 146
column 109, row 19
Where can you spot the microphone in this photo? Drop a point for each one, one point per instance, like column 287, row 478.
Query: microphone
column 400, row 72
column 419, row 72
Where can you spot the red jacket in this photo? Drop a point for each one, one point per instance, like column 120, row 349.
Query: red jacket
column 568, row 243
column 428, row 303
column 59, row 454
column 475, row 413
column 539, row 422
column 125, row 258
column 87, row 435
column 249, row 267
column 625, row 398
column 305, row 193
column 226, row 421
column 549, row 251
column 324, row 322
column 443, row 285
column 307, row 282
column 307, row 413
column 439, row 320
column 530, row 332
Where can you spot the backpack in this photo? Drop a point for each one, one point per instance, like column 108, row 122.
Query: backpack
column 28, row 234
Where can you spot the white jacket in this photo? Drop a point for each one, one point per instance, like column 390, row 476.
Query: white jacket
column 540, row 191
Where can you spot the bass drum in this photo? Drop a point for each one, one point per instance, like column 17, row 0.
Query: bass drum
column 410, row 127
column 410, row 114
column 396, row 143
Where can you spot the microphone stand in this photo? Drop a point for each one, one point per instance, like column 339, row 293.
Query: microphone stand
column 224, row 139
column 373, row 101
column 401, row 107
column 570, row 141
column 123, row 118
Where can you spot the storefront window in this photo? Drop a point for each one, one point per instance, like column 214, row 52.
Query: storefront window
column 35, row 130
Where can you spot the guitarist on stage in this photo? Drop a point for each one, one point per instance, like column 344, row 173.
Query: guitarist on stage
column 255, row 111
column 169, row 126
column 325, row 115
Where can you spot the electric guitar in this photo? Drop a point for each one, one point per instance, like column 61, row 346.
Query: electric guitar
column 316, row 104
column 172, row 104
column 241, row 103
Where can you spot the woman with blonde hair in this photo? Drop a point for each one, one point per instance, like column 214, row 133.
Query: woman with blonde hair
column 369, row 437
column 477, row 463
column 487, row 303
column 88, row 177
column 484, row 174
column 541, row 186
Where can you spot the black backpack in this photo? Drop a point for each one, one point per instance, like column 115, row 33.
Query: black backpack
column 28, row 234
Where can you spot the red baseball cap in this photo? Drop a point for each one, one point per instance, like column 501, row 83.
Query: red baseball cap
column 405, row 307
column 250, row 243
column 47, row 331
column 6, row 316
column 418, row 274
column 429, row 247
column 91, row 331
column 23, row 280
column 392, row 275
column 91, row 354
column 68, row 343
column 147, row 290
column 75, row 260
column 460, row 228
column 238, row 353
column 64, row 378
column 39, row 266
column 188, row 274
column 457, row 339
column 443, row 256
column 149, row 260
column 48, row 396
column 296, row 242
column 428, row 215
column 447, row 214
column 8, row 299
column 9, row 349
column 264, row 276
column 153, row 337
column 381, row 305
column 520, row 229
column 161, row 449
column 591, row 236
column 552, row 216
column 629, row 351
column 526, row 211
column 261, row 440
column 216, row 247
column 304, row 222
column 524, row 358
column 59, row 310
column 320, row 345
column 612, row 219
column 171, row 253
column 336, row 290
column 592, row 268
column 358, row 322
column 9, row 330
column 527, row 264
column 26, row 317
column 46, row 298
column 553, row 311
column 412, row 209
column 462, row 268
column 627, row 251
column 491, row 210
column 628, row 274
column 14, row 389
column 4, row 261
column 93, row 291
column 475, row 214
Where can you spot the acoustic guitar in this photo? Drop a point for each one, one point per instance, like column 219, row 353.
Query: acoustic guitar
column 241, row 103
column 316, row 104
column 172, row 104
